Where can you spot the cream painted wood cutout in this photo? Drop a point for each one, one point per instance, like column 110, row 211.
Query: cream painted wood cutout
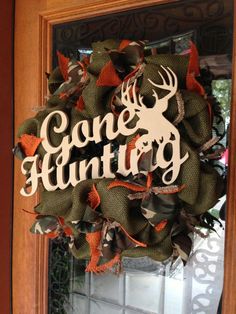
column 157, row 131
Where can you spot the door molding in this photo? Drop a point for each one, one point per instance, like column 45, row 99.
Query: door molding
column 6, row 158
column 46, row 21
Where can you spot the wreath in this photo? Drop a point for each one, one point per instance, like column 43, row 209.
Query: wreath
column 138, row 214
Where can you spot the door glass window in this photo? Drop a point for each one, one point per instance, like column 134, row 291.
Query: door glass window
column 143, row 285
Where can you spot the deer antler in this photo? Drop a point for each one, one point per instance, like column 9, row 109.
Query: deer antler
column 129, row 96
column 171, row 86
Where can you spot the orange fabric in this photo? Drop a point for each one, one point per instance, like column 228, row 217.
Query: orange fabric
column 161, row 225
column 130, row 147
column 194, row 70
column 67, row 231
column 80, row 104
column 194, row 60
column 193, row 85
column 130, row 186
column 61, row 221
column 86, row 60
column 51, row 235
column 149, row 180
column 63, row 95
column 63, row 65
column 108, row 76
column 106, row 266
column 93, row 240
column 29, row 144
column 124, row 43
column 94, row 198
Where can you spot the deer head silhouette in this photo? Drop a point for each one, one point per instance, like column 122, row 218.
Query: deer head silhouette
column 157, row 129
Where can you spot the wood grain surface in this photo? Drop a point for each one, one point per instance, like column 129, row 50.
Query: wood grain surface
column 6, row 157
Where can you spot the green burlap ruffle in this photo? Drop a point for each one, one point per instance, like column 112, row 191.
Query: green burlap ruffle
column 71, row 204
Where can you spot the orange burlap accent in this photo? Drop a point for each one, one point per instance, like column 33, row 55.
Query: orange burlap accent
column 66, row 229
column 51, row 235
column 193, row 70
column 149, row 180
column 29, row 144
column 94, row 198
column 63, row 96
column 130, row 147
column 124, row 43
column 63, row 65
column 106, row 266
column 194, row 60
column 108, row 76
column 130, row 186
column 86, row 61
column 93, row 240
column 193, row 85
column 161, row 225
column 80, row 104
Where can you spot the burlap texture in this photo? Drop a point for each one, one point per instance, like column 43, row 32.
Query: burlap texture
column 210, row 190
column 159, row 252
column 100, row 55
column 95, row 98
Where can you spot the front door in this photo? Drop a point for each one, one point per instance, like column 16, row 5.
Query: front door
column 35, row 27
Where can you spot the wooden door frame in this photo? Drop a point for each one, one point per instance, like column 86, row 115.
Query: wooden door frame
column 47, row 19
column 6, row 157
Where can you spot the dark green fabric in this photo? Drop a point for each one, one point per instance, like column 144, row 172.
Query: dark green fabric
column 94, row 98
column 158, row 252
column 79, row 200
column 55, row 203
column 210, row 190
column 100, row 55
column 178, row 64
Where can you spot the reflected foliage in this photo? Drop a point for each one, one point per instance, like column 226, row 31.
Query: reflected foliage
column 222, row 92
column 59, row 276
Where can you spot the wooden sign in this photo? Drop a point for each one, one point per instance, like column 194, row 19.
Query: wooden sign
column 157, row 130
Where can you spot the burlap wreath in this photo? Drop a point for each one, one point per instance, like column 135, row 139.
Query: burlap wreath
column 136, row 216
